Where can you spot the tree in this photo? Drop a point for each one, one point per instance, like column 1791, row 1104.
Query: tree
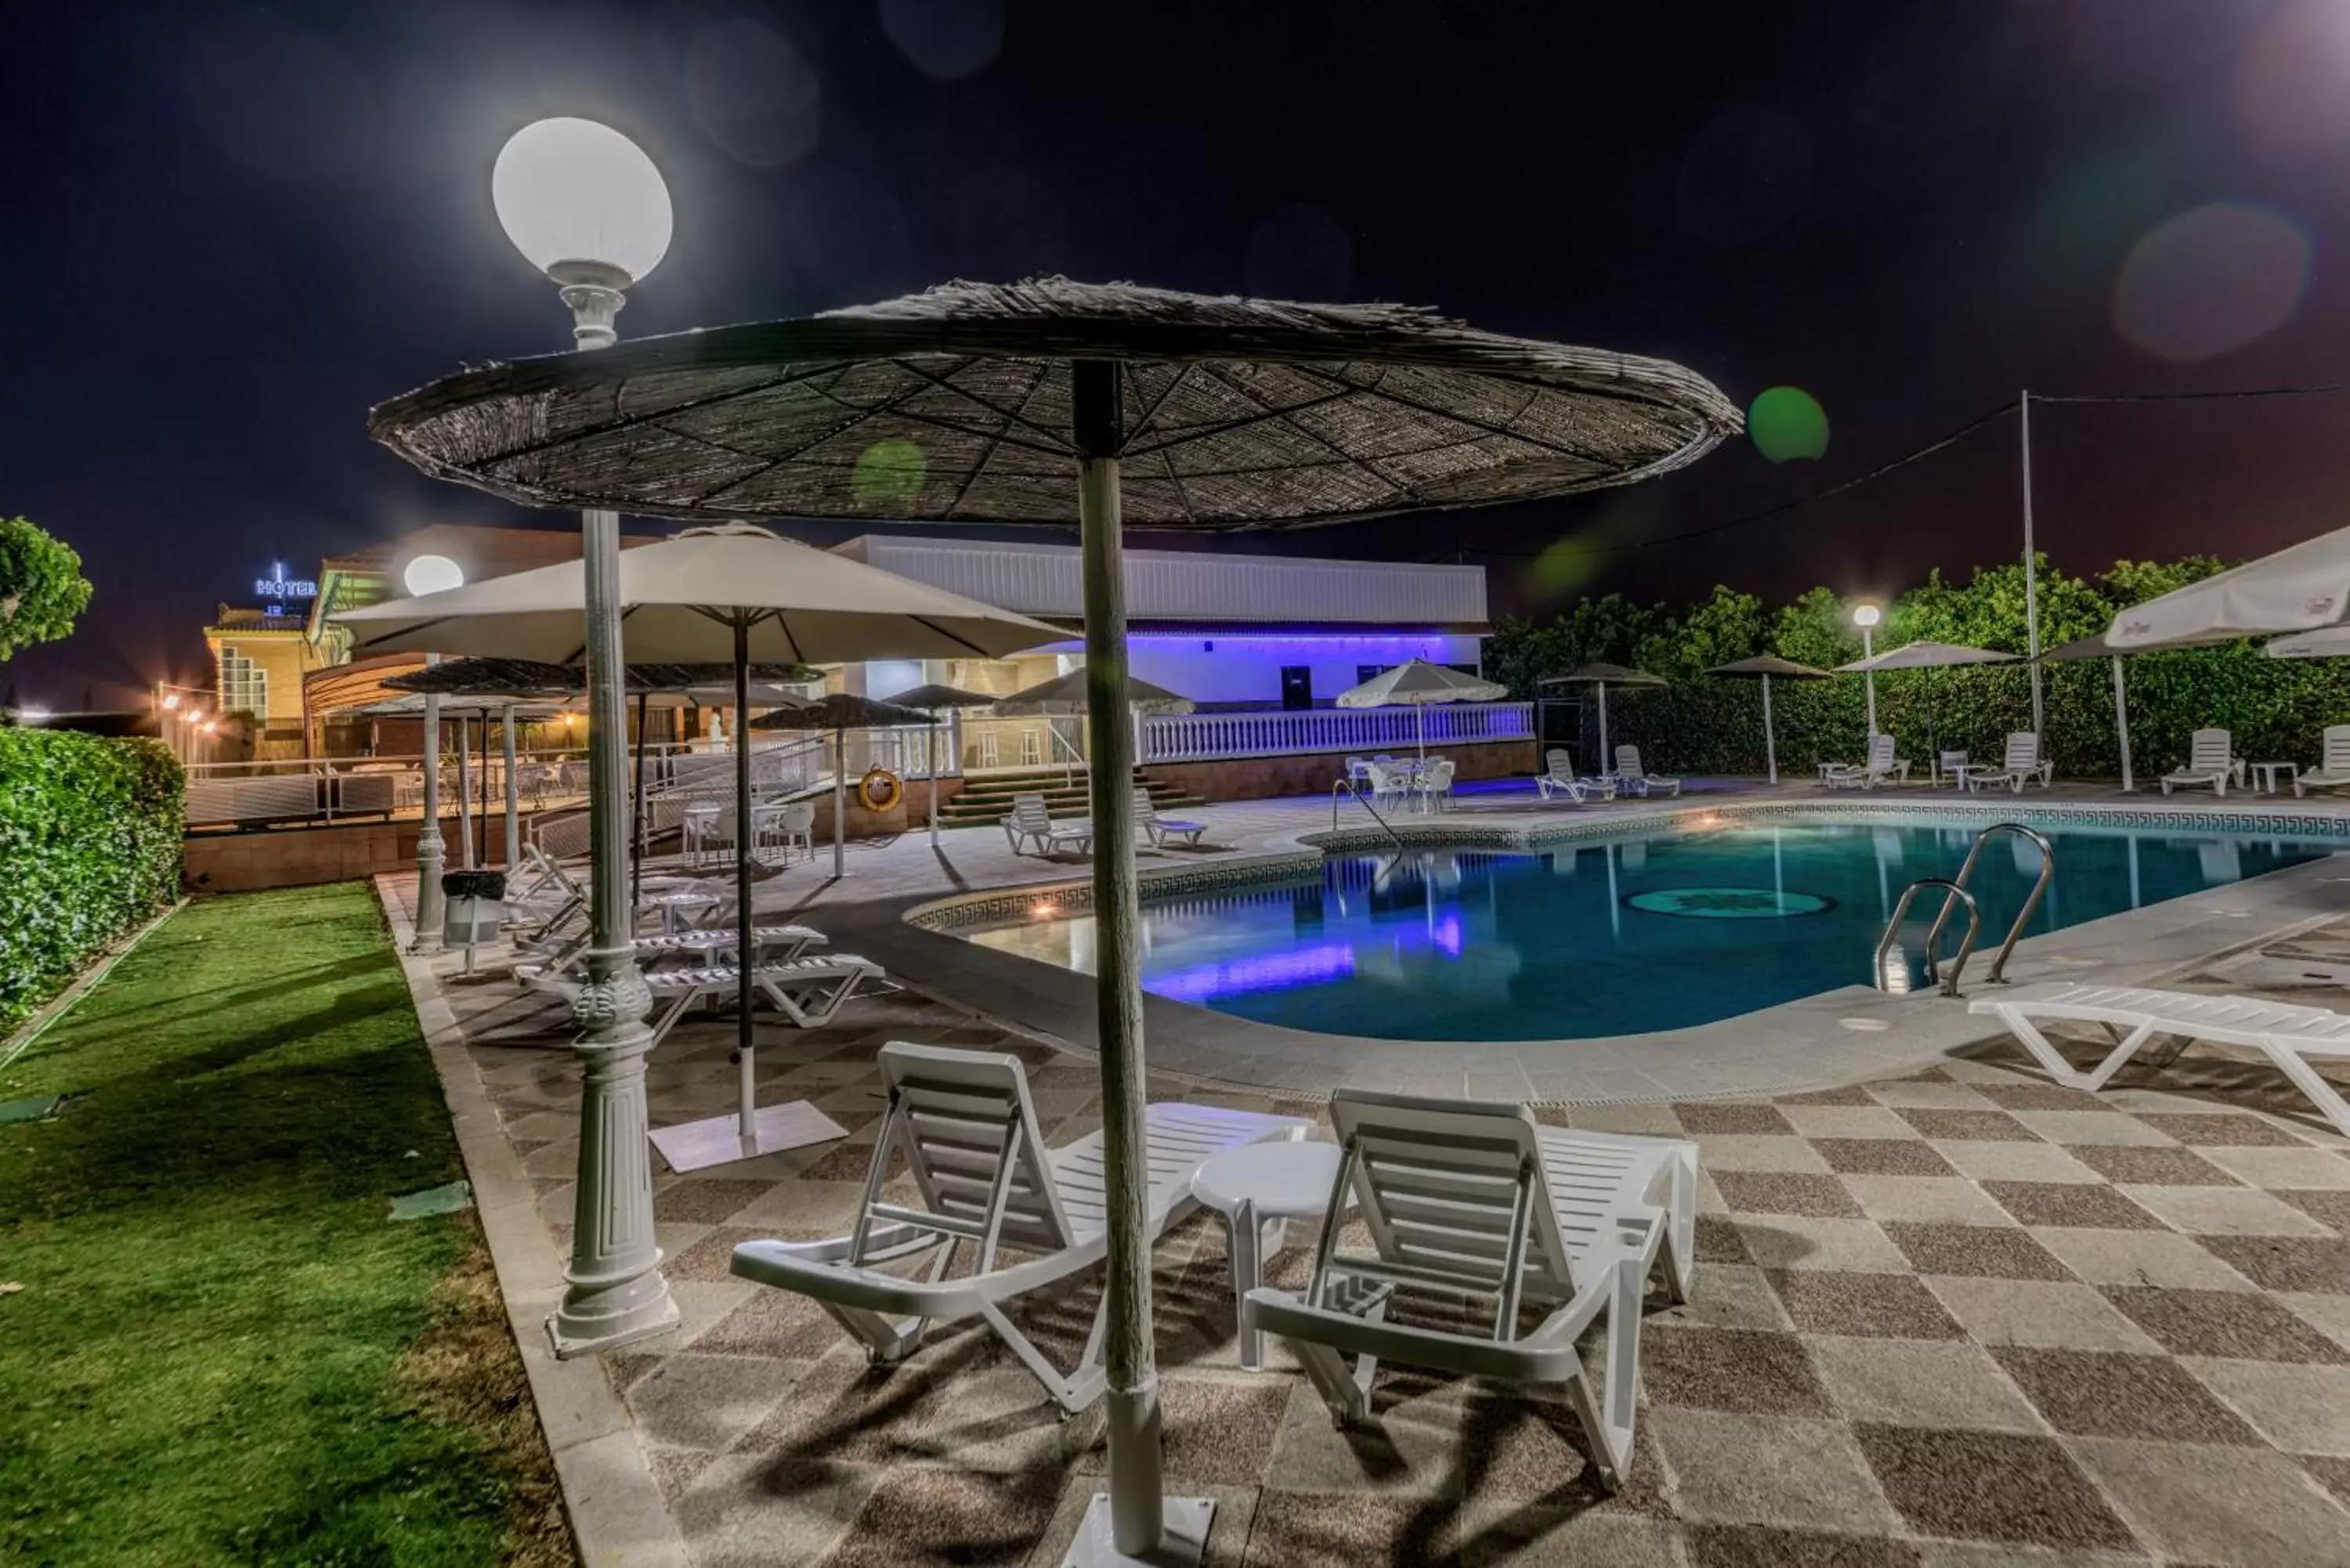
column 41, row 587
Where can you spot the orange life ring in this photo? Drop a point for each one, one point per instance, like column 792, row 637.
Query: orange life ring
column 880, row 789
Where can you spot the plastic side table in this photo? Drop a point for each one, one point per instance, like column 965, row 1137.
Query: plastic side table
column 1258, row 1188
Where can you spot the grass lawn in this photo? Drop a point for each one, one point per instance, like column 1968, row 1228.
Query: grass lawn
column 223, row 1350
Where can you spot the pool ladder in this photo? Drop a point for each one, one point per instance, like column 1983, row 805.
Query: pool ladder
column 1954, row 891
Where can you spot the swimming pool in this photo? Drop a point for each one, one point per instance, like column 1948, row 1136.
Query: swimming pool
column 1620, row 937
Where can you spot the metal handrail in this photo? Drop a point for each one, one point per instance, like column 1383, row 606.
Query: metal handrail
column 1348, row 786
column 1953, row 893
column 2030, row 904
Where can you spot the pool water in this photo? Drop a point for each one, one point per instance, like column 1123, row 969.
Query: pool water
column 1617, row 938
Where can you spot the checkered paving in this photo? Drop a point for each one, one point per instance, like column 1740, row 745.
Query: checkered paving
column 1962, row 1318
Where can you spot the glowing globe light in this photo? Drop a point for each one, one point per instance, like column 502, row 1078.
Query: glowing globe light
column 170, row 701
column 1786, row 423
column 578, row 197
column 1867, row 616
column 433, row 574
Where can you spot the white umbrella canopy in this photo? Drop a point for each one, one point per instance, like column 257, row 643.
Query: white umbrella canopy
column 2328, row 642
column 1927, row 656
column 1416, row 684
column 2300, row 589
column 734, row 592
column 813, row 607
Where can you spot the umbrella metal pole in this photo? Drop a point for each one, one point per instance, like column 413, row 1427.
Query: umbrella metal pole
column 430, row 851
column 2121, row 728
column 839, row 802
column 465, row 796
column 930, row 755
column 513, row 789
column 1770, row 738
column 745, row 951
column 1607, row 764
column 2031, row 566
column 637, row 811
column 1137, row 1514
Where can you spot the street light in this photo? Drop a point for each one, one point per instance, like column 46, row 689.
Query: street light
column 586, row 206
column 431, row 575
column 1865, row 617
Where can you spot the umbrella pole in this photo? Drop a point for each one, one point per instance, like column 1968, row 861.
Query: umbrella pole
column 745, row 950
column 1137, row 1511
column 839, row 800
column 514, row 789
column 1420, row 730
column 1769, row 738
column 930, row 750
column 2121, row 728
column 636, row 808
column 465, row 796
column 1606, row 761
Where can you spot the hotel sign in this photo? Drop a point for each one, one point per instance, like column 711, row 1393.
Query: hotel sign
column 278, row 585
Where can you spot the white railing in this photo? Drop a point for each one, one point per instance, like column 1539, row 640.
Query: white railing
column 1209, row 737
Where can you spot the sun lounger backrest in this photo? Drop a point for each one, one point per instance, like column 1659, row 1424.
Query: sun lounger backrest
column 1880, row 752
column 2210, row 751
column 955, row 1114
column 1030, row 813
column 1561, row 765
column 1452, row 1191
column 2336, row 750
column 1146, row 811
column 2023, row 751
column 1627, row 762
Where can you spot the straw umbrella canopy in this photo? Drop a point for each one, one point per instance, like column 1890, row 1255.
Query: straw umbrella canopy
column 1418, row 683
column 935, row 699
column 466, row 703
column 1054, row 401
column 1603, row 676
column 1765, row 666
column 735, row 589
column 840, row 712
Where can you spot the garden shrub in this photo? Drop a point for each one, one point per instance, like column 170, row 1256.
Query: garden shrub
column 89, row 845
column 1703, row 723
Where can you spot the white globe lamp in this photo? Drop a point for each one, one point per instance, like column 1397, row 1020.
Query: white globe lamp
column 1865, row 617
column 584, row 206
column 433, row 574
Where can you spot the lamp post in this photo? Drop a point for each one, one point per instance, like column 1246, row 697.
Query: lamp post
column 586, row 206
column 1865, row 617
column 431, row 575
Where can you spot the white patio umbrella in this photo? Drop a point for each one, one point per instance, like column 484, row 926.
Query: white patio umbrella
column 1065, row 696
column 1603, row 676
column 2300, row 589
column 732, row 591
column 2329, row 642
column 1416, row 684
column 2097, row 648
column 1923, row 655
column 1766, row 665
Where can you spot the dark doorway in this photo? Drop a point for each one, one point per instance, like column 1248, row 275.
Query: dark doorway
column 1297, row 686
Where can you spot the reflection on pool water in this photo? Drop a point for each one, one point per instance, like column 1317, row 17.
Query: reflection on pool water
column 1619, row 937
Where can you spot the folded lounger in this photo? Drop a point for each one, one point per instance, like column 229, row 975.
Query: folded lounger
column 807, row 991
column 2287, row 1035
column 983, row 1176
column 1478, row 1202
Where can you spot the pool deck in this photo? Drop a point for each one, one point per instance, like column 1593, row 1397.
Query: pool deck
column 1952, row 1317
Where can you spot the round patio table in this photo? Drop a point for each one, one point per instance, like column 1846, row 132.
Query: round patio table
column 1258, row 1188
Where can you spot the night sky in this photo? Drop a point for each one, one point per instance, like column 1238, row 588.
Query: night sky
column 231, row 229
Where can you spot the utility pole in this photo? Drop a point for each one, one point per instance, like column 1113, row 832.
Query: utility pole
column 2030, row 568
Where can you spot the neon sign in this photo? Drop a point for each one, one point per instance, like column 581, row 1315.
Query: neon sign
column 281, row 586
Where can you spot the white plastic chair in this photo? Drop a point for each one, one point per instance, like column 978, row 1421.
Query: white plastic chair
column 2021, row 765
column 1475, row 1202
column 1434, row 785
column 2333, row 771
column 1881, row 764
column 2211, row 760
column 1031, row 822
column 983, row 1175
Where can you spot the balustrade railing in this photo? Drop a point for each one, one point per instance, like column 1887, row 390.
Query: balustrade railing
column 1208, row 737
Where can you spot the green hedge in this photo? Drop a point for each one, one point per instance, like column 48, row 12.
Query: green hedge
column 1703, row 723
column 89, row 845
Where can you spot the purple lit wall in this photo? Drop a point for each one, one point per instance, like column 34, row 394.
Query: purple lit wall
column 1247, row 668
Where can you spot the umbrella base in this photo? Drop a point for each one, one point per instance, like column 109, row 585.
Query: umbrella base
column 719, row 1140
column 1184, row 1545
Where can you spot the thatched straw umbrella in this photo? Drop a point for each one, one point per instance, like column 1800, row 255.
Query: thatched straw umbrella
column 840, row 712
column 1603, row 676
column 1057, row 403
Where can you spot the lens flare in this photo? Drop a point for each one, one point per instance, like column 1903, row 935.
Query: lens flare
column 2287, row 91
column 1786, row 423
column 753, row 93
column 945, row 38
column 2212, row 280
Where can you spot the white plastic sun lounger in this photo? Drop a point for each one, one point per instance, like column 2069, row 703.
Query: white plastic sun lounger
column 2333, row 770
column 1882, row 764
column 1031, row 822
column 2211, row 760
column 983, row 1176
column 1558, row 778
column 2288, row 1036
column 1633, row 775
column 1479, row 1203
column 1159, row 829
column 807, row 991
column 2020, row 765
